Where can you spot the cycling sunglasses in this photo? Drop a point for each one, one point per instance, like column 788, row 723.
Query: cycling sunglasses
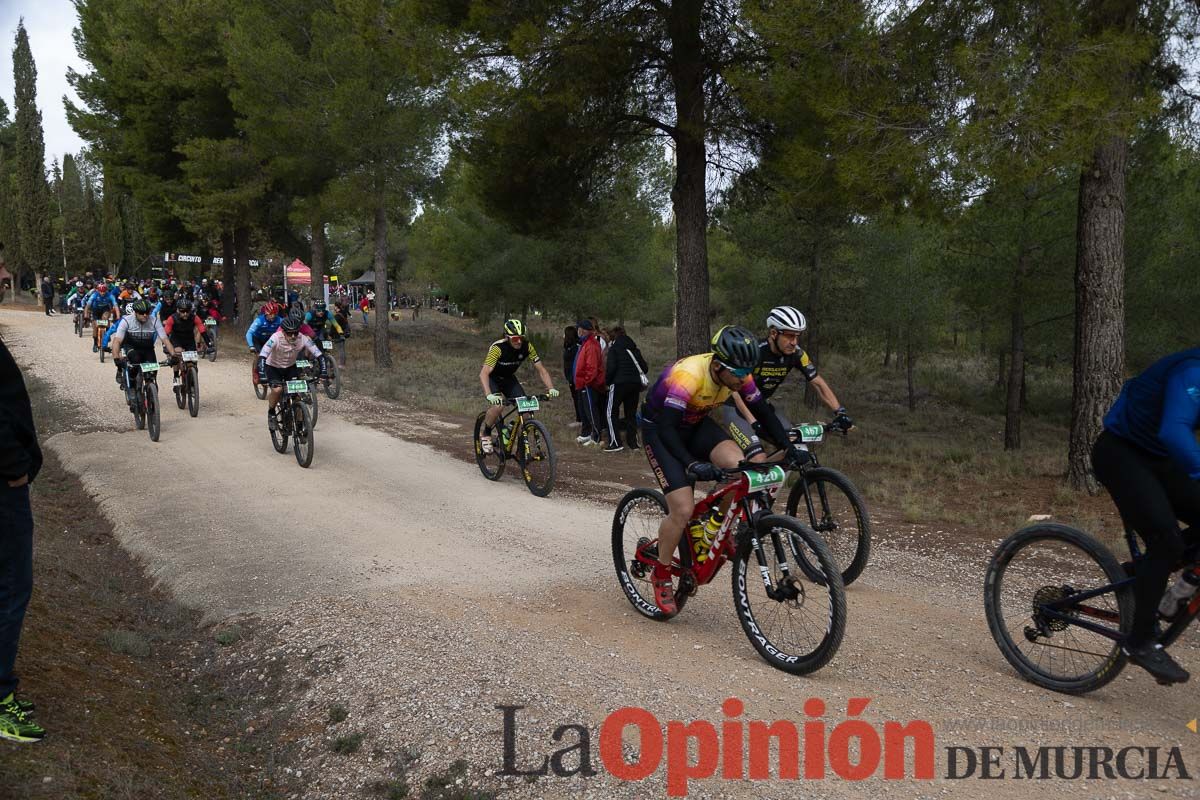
column 738, row 373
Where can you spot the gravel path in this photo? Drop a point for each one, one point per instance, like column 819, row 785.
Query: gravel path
column 398, row 584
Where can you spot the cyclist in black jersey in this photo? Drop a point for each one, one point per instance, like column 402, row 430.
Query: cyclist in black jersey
column 781, row 353
column 498, row 376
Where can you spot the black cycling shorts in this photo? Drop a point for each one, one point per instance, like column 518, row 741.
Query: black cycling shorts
column 508, row 386
column 699, row 439
column 742, row 432
column 277, row 376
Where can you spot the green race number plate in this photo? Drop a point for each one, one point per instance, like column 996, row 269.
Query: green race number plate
column 528, row 404
column 297, row 387
column 766, row 480
column 101, row 323
column 303, row 364
column 212, row 323
column 810, row 432
column 150, row 366
column 328, row 345
column 191, row 355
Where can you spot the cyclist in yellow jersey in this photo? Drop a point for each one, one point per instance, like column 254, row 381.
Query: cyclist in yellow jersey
column 684, row 444
column 498, row 376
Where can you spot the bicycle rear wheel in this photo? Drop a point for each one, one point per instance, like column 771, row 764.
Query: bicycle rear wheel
column 153, row 423
column 193, row 395
column 535, row 455
column 793, row 614
column 634, row 532
column 302, row 434
column 490, row 464
column 836, row 511
column 1041, row 564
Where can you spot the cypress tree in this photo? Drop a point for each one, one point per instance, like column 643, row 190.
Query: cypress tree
column 32, row 201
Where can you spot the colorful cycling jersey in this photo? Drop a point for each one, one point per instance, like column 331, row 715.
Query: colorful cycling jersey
column 281, row 353
column 96, row 301
column 504, row 359
column 133, row 333
column 262, row 328
column 688, row 387
column 775, row 367
column 320, row 320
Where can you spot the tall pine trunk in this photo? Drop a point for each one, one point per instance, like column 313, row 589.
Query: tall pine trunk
column 241, row 279
column 814, row 302
column 316, row 269
column 1016, row 365
column 909, row 369
column 688, row 197
column 228, row 274
column 383, row 356
column 1099, row 303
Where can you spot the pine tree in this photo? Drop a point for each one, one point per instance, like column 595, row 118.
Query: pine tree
column 33, row 202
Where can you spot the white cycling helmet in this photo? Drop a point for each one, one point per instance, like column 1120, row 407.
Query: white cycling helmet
column 786, row 318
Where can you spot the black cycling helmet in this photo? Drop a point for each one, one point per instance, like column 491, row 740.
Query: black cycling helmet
column 297, row 313
column 318, row 305
column 184, row 305
column 290, row 325
column 735, row 347
column 141, row 307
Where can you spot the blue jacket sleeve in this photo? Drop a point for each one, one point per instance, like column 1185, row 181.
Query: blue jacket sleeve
column 1180, row 418
column 253, row 329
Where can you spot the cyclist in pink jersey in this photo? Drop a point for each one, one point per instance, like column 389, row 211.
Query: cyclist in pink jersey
column 277, row 361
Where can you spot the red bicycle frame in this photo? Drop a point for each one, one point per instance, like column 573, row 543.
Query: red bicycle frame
column 740, row 507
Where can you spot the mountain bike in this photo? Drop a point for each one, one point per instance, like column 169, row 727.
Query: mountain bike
column 188, row 391
column 77, row 320
column 333, row 384
column 260, row 390
column 526, row 441
column 1060, row 605
column 787, row 588
column 101, row 327
column 210, row 325
column 145, row 406
column 293, row 419
column 310, row 372
column 834, row 507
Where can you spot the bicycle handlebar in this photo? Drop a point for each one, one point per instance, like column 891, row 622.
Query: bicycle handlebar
column 512, row 401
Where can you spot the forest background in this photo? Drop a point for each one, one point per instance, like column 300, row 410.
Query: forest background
column 1014, row 182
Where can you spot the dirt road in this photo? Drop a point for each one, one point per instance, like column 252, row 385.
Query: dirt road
column 397, row 583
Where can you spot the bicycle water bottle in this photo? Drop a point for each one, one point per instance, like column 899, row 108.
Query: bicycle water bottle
column 504, row 434
column 704, row 532
column 1179, row 594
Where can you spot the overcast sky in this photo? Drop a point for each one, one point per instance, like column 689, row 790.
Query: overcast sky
column 49, row 24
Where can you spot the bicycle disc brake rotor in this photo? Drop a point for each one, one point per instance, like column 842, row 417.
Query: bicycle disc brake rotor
column 1050, row 594
column 789, row 590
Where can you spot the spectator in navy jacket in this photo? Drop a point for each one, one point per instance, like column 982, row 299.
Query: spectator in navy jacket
column 624, row 370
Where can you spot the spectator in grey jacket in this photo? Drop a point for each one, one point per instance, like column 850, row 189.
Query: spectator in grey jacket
column 624, row 372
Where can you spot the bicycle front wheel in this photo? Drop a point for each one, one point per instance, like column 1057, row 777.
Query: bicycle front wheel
column 311, row 398
column 635, row 549
column 302, row 434
column 1046, row 563
column 193, row 396
column 153, row 423
column 788, row 594
column 836, row 511
column 490, row 464
column 535, row 454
